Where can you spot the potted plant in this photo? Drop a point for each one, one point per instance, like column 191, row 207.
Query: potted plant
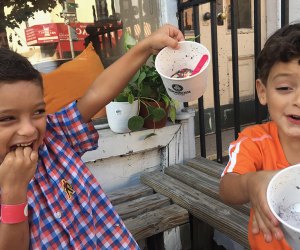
column 119, row 112
column 146, row 92
column 154, row 103
column 125, row 105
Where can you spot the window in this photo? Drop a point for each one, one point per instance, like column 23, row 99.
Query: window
column 138, row 17
column 243, row 14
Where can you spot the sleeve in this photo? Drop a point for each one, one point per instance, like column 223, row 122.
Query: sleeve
column 67, row 125
column 244, row 156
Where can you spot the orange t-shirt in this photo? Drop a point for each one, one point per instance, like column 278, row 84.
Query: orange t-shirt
column 258, row 148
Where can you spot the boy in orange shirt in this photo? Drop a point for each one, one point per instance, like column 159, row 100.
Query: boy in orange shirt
column 262, row 150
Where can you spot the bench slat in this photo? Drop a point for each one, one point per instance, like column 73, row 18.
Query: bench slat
column 130, row 193
column 209, row 167
column 220, row 216
column 201, row 181
column 196, row 179
column 141, row 205
column 156, row 221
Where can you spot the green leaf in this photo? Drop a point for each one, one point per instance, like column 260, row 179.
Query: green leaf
column 121, row 98
column 130, row 98
column 150, row 108
column 158, row 114
column 166, row 100
column 146, row 91
column 135, row 77
column 192, row 38
column 135, row 123
column 142, row 76
column 129, row 41
column 149, row 135
column 172, row 113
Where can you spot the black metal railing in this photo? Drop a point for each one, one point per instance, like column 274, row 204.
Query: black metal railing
column 108, row 48
column 260, row 112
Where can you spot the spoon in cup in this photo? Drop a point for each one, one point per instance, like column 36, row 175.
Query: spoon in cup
column 200, row 64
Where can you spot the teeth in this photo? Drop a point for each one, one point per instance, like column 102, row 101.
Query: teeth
column 23, row 145
column 296, row 117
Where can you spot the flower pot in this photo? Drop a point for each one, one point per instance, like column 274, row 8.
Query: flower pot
column 118, row 114
column 149, row 123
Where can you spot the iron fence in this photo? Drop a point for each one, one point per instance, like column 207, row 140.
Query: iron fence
column 106, row 32
column 260, row 112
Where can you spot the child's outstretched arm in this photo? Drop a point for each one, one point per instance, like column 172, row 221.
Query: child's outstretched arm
column 113, row 79
column 252, row 187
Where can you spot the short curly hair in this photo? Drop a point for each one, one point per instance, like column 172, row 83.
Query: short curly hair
column 282, row 46
column 14, row 67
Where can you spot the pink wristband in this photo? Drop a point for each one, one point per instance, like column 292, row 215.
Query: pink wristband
column 12, row 214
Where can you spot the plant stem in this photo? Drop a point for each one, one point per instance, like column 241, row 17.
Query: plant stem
column 151, row 99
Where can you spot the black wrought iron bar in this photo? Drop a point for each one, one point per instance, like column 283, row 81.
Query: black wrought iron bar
column 214, row 45
column 186, row 5
column 180, row 15
column 235, row 68
column 257, row 48
column 284, row 12
column 196, row 27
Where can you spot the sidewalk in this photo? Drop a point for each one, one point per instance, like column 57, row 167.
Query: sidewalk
column 210, row 140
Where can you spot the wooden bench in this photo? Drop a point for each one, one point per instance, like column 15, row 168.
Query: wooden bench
column 147, row 214
column 194, row 186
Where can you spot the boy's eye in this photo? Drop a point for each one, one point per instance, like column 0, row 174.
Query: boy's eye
column 6, row 119
column 40, row 112
column 285, row 88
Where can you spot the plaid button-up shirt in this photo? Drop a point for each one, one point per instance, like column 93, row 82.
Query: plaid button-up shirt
column 67, row 207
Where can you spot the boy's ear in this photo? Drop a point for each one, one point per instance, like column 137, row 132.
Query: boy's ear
column 261, row 92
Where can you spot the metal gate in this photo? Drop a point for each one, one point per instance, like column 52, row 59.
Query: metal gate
column 215, row 18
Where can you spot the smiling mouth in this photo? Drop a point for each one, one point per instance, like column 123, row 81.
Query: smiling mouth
column 295, row 117
column 22, row 145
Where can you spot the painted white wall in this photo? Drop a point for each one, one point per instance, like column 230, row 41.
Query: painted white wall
column 168, row 12
column 273, row 12
column 85, row 11
column 294, row 11
column 121, row 166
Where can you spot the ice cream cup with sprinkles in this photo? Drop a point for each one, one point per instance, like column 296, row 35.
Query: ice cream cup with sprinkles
column 283, row 196
column 175, row 67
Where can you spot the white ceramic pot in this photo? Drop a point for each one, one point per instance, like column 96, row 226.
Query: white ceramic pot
column 118, row 114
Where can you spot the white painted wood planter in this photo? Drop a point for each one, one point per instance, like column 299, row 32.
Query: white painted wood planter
column 121, row 158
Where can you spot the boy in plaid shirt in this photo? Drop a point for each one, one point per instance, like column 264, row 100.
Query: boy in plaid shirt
column 49, row 198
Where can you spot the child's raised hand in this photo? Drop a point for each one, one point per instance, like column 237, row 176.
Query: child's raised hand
column 166, row 36
column 17, row 169
column 263, row 219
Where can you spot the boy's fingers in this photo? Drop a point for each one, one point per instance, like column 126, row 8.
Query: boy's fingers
column 278, row 234
column 34, row 156
column 27, row 152
column 171, row 42
column 273, row 223
column 176, row 33
column 11, row 154
column 263, row 227
column 19, row 152
column 255, row 227
column 269, row 215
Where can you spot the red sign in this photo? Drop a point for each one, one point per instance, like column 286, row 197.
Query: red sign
column 53, row 32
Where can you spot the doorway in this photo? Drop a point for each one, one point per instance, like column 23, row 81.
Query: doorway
column 246, row 58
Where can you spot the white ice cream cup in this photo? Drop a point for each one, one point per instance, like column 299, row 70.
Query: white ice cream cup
column 170, row 61
column 283, row 196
